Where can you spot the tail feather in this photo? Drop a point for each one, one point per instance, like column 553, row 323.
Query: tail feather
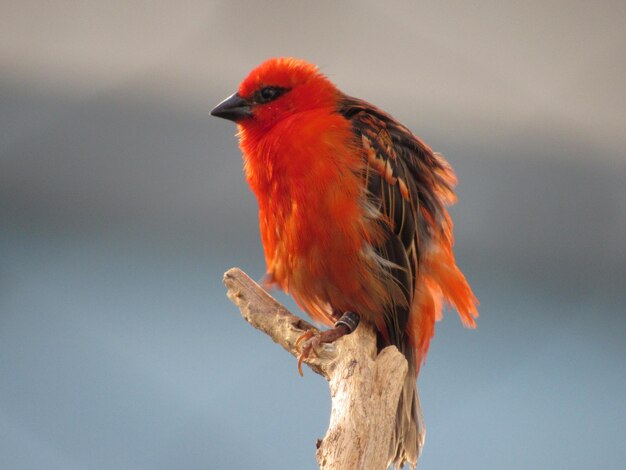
column 440, row 280
column 409, row 433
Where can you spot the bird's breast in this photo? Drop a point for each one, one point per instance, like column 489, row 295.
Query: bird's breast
column 307, row 176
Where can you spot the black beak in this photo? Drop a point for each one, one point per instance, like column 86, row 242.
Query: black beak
column 234, row 108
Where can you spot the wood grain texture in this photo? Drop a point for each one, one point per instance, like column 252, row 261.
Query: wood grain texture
column 364, row 385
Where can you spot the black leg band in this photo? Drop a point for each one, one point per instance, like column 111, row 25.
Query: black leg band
column 349, row 319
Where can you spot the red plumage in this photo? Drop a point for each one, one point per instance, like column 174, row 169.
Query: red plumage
column 352, row 211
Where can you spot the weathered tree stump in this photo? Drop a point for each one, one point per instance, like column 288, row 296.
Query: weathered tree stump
column 364, row 385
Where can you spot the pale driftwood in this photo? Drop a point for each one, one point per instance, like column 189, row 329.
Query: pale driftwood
column 364, row 386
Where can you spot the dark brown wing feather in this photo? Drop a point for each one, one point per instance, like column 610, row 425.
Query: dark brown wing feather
column 402, row 175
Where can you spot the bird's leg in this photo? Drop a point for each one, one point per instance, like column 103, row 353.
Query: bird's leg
column 346, row 324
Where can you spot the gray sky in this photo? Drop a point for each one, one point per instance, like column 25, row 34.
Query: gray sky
column 490, row 64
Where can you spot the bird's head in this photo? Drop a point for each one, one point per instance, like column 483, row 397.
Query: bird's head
column 277, row 89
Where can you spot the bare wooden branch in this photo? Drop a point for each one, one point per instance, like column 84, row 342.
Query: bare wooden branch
column 364, row 386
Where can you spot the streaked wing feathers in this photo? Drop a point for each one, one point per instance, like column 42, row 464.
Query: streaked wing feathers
column 410, row 185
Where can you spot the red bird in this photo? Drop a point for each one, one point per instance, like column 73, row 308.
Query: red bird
column 352, row 211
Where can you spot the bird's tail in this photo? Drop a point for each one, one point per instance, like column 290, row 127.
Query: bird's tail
column 409, row 433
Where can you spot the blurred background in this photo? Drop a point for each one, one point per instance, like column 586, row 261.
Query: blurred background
column 122, row 202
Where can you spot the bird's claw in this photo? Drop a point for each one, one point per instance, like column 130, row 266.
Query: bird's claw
column 313, row 338
column 308, row 338
column 308, row 334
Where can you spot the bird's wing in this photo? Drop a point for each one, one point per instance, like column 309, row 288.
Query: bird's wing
column 410, row 185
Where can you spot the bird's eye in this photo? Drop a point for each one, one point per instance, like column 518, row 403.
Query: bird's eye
column 268, row 93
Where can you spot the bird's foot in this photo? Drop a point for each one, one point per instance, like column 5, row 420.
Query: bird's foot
column 312, row 339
